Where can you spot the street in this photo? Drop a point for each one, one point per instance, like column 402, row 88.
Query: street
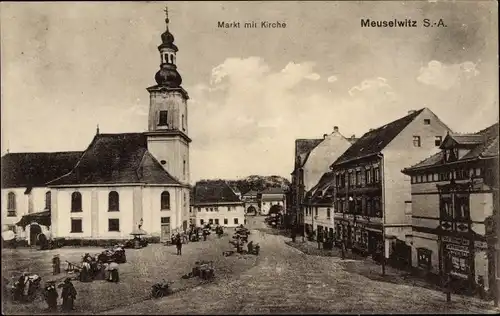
column 287, row 281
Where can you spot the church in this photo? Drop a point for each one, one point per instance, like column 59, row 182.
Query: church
column 119, row 184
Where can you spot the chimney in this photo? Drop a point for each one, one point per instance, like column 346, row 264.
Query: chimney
column 324, row 136
column 97, row 130
column 371, row 129
column 336, row 129
column 353, row 136
column 411, row 112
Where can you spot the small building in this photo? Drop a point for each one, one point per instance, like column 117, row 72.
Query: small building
column 372, row 199
column 272, row 197
column 318, row 208
column 454, row 195
column 215, row 202
column 252, row 205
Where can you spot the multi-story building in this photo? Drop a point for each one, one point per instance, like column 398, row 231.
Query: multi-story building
column 215, row 202
column 120, row 182
column 454, row 196
column 271, row 197
column 372, row 198
column 318, row 207
column 313, row 158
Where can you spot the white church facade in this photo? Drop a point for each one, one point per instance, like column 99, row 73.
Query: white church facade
column 120, row 183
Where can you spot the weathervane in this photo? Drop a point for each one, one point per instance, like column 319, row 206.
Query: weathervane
column 166, row 15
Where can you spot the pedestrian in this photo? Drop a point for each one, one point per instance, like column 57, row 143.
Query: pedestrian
column 179, row 246
column 56, row 265
column 205, row 234
column 250, row 247
column 68, row 295
column 51, row 295
column 20, row 284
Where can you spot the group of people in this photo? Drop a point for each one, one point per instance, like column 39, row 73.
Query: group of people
column 68, row 295
column 26, row 286
column 95, row 269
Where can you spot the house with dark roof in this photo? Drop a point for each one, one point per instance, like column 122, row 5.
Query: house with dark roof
column 120, row 183
column 371, row 197
column 216, row 202
column 313, row 158
column 454, row 195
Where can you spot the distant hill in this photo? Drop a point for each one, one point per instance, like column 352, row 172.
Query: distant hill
column 259, row 183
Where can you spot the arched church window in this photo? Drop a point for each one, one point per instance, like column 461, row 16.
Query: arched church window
column 113, row 201
column 11, row 204
column 183, row 126
column 184, row 167
column 76, row 202
column 48, row 199
column 165, row 200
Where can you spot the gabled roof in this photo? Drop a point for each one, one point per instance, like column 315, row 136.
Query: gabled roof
column 36, row 169
column 250, row 193
column 273, row 191
column 213, row 191
column 115, row 159
column 303, row 148
column 485, row 148
column 374, row 141
column 319, row 193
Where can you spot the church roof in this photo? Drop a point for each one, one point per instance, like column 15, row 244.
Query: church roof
column 213, row 191
column 36, row 169
column 116, row 159
column 373, row 142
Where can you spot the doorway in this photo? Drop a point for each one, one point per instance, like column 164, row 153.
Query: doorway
column 35, row 230
column 165, row 228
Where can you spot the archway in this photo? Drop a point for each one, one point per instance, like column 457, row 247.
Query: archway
column 251, row 210
column 35, row 230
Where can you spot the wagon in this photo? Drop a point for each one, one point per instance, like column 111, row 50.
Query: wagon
column 113, row 255
column 34, row 288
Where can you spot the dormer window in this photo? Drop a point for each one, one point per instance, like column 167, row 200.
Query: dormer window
column 427, row 122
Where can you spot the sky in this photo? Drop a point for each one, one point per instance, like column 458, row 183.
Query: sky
column 66, row 67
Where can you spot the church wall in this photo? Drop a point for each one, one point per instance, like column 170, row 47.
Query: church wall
column 63, row 215
column 38, row 199
column 21, row 207
column 124, row 215
column 152, row 212
column 174, row 150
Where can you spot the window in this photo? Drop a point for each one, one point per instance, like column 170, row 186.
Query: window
column 376, row 175
column 199, row 209
column 445, row 207
column 236, row 221
column 165, row 220
column 202, row 222
column 368, row 176
column 48, row 198
column 358, row 178
column 163, row 121
column 113, row 225
column 225, row 221
column 462, row 207
column 165, row 200
column 342, row 180
column 328, row 213
column 11, row 204
column 76, row 202
column 377, row 211
column 76, row 225
column 316, row 211
column 184, row 167
column 11, row 228
column 113, row 202
column 183, row 126
column 424, row 258
column 434, row 177
column 438, row 140
column 429, row 177
column 427, row 122
column 413, row 178
column 216, row 221
column 416, row 141
column 210, row 221
column 369, row 208
column 357, row 206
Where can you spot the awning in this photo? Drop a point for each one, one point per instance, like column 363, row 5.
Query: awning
column 42, row 218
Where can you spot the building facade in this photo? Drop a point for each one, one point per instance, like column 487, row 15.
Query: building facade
column 372, row 198
column 215, row 202
column 120, row 182
column 454, row 196
column 272, row 197
column 319, row 208
column 252, row 205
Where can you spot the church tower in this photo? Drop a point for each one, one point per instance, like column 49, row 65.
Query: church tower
column 167, row 133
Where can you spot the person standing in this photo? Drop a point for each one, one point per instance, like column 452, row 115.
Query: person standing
column 56, row 265
column 51, row 295
column 19, row 291
column 179, row 246
column 68, row 295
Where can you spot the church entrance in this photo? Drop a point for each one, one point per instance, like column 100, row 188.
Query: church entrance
column 35, row 230
column 251, row 210
column 165, row 228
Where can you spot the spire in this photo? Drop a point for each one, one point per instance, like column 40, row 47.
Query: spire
column 166, row 16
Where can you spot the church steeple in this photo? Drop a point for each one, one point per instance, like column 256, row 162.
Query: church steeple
column 168, row 75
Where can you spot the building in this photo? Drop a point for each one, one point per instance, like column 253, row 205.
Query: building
column 313, row 158
column 215, row 202
column 318, row 208
column 272, row 197
column 252, row 205
column 372, row 198
column 120, row 182
column 454, row 194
